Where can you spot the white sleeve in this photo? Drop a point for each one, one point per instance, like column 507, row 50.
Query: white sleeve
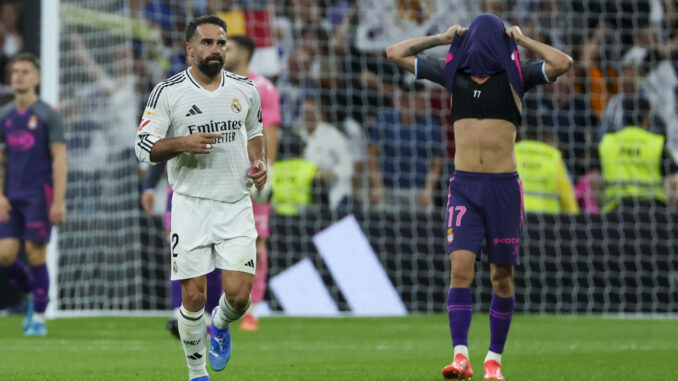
column 254, row 116
column 154, row 124
column 343, row 168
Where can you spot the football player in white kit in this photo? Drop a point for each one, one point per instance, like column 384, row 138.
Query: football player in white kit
column 206, row 122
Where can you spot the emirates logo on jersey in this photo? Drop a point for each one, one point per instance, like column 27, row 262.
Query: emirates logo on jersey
column 235, row 105
column 33, row 123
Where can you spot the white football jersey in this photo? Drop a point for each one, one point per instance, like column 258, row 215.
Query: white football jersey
column 179, row 106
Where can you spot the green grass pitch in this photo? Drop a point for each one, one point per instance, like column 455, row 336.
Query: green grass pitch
column 408, row 348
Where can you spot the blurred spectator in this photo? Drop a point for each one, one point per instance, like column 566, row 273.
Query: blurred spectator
column 293, row 86
column 546, row 184
column 328, row 149
column 568, row 115
column 631, row 74
column 635, row 161
column 292, row 177
column 405, row 152
column 11, row 40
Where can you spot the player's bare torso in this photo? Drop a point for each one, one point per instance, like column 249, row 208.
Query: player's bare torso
column 485, row 145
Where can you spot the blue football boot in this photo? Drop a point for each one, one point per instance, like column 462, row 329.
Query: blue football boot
column 220, row 345
column 36, row 329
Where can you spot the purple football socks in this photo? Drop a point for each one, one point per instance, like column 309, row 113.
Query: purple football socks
column 501, row 313
column 459, row 309
column 40, row 286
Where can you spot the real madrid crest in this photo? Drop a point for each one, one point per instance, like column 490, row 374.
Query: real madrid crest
column 175, row 267
column 33, row 122
column 235, row 105
column 450, row 236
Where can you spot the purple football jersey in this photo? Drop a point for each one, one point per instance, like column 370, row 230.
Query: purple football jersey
column 27, row 136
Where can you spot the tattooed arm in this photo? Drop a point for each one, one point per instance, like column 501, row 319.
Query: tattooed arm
column 403, row 53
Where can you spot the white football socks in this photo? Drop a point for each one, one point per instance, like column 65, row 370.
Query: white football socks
column 463, row 349
column 227, row 313
column 193, row 333
column 493, row 356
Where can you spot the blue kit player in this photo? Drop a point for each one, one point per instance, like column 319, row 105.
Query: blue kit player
column 486, row 80
column 32, row 186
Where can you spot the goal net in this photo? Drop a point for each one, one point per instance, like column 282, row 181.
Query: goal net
column 395, row 138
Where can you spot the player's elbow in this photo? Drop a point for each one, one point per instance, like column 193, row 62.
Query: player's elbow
column 143, row 155
column 564, row 63
column 392, row 53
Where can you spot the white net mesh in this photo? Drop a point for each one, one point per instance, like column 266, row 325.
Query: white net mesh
column 111, row 257
column 107, row 250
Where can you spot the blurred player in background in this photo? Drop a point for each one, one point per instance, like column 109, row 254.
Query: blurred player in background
column 486, row 80
column 32, row 186
column 239, row 51
column 206, row 123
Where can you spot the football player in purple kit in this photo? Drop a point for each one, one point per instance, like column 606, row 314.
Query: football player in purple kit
column 486, row 79
column 32, row 186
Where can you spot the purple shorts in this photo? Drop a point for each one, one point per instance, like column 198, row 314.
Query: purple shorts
column 485, row 206
column 29, row 218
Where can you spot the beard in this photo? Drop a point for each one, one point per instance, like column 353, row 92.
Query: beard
column 211, row 66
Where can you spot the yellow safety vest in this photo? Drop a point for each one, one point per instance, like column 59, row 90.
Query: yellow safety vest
column 538, row 168
column 631, row 163
column 292, row 183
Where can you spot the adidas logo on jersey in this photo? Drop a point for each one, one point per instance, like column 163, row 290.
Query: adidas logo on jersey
column 194, row 111
column 250, row 263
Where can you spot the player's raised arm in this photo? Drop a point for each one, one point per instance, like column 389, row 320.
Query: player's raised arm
column 557, row 62
column 403, row 53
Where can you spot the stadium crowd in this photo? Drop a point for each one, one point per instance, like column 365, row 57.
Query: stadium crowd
column 622, row 49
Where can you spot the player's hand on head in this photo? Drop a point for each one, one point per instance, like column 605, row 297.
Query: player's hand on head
column 455, row 30
column 258, row 174
column 57, row 213
column 515, row 33
column 148, row 202
column 5, row 208
column 200, row 143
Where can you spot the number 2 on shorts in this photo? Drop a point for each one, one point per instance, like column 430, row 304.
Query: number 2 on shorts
column 175, row 242
column 461, row 210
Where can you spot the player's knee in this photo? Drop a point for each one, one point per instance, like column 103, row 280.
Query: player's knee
column 239, row 300
column 502, row 284
column 6, row 259
column 461, row 277
column 194, row 299
column 36, row 253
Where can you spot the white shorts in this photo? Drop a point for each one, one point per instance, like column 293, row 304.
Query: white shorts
column 208, row 234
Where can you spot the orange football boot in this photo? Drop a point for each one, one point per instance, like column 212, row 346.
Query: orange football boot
column 460, row 369
column 493, row 371
column 249, row 323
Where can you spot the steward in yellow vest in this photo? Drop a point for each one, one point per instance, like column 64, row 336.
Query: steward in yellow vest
column 292, row 185
column 546, row 185
column 634, row 160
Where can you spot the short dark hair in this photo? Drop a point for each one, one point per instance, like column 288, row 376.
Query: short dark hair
column 208, row 19
column 244, row 42
column 636, row 109
column 27, row 57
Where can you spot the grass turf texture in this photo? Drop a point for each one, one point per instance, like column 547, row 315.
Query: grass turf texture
column 409, row 348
